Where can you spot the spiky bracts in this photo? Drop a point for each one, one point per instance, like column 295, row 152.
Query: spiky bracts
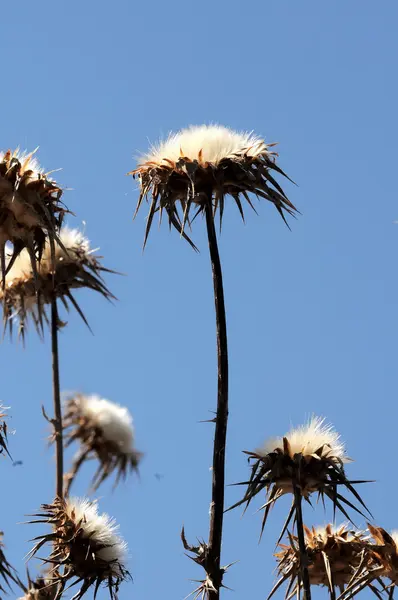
column 41, row 589
column 69, row 265
column 309, row 458
column 335, row 556
column 3, row 431
column 207, row 163
column 104, row 431
column 7, row 572
column 86, row 548
column 31, row 211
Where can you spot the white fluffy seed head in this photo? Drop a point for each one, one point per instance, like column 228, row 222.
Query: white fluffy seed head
column 213, row 142
column 76, row 244
column 394, row 535
column 100, row 529
column 308, row 439
column 115, row 421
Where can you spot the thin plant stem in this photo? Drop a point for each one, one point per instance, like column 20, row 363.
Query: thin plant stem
column 57, row 420
column 305, row 578
column 218, row 484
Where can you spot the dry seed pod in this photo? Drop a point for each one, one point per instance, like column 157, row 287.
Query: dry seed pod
column 335, row 555
column 104, row 431
column 30, row 207
column 70, row 265
column 208, row 161
column 86, row 547
column 312, row 457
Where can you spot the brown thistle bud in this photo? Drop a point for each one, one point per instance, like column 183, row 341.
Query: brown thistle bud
column 86, row 547
column 41, row 589
column 105, row 432
column 69, row 265
column 334, row 555
column 30, row 207
column 311, row 457
column 203, row 163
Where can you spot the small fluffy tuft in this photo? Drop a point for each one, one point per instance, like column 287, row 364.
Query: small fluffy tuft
column 100, row 529
column 115, row 421
column 27, row 159
column 308, row 439
column 213, row 142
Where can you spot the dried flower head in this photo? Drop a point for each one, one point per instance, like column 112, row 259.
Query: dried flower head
column 86, row 546
column 335, row 555
column 206, row 163
column 105, row 431
column 3, row 431
column 70, row 265
column 30, row 207
column 7, row 572
column 311, row 458
column 41, row 589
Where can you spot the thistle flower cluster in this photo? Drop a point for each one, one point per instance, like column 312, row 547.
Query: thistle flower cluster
column 31, row 211
column 310, row 458
column 205, row 164
column 40, row 589
column 86, row 547
column 105, row 432
column 66, row 265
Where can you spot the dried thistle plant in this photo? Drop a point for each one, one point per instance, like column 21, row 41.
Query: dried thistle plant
column 105, row 432
column 31, row 211
column 3, row 431
column 7, row 572
column 42, row 588
column 86, row 547
column 335, row 557
column 71, row 265
column 205, row 161
column 193, row 171
column 311, row 458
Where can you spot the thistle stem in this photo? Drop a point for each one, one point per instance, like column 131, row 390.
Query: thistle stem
column 218, row 484
column 57, row 421
column 305, row 578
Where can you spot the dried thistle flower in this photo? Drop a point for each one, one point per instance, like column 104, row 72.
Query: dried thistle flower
column 335, row 555
column 71, row 265
column 3, row 431
column 310, row 457
column 30, row 207
column 208, row 162
column 105, row 431
column 41, row 589
column 86, row 547
column 7, row 572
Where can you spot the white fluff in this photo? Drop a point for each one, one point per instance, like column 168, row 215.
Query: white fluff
column 31, row 165
column 394, row 535
column 114, row 420
column 214, row 141
column 307, row 439
column 100, row 528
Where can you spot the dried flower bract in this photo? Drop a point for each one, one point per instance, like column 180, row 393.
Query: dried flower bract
column 69, row 265
column 205, row 164
column 7, row 572
column 105, row 431
column 335, row 556
column 311, row 458
column 30, row 207
column 3, row 431
column 87, row 549
column 41, row 589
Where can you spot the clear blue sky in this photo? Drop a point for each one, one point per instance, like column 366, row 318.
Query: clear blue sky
column 312, row 313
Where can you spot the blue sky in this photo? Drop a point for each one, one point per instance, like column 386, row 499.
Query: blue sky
column 312, row 313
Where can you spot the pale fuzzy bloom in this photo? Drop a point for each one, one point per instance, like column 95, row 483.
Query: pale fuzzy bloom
column 28, row 161
column 101, row 530
column 115, row 421
column 309, row 439
column 210, row 143
column 394, row 535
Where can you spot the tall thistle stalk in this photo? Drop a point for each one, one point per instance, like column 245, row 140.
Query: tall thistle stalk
column 57, row 421
column 194, row 170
